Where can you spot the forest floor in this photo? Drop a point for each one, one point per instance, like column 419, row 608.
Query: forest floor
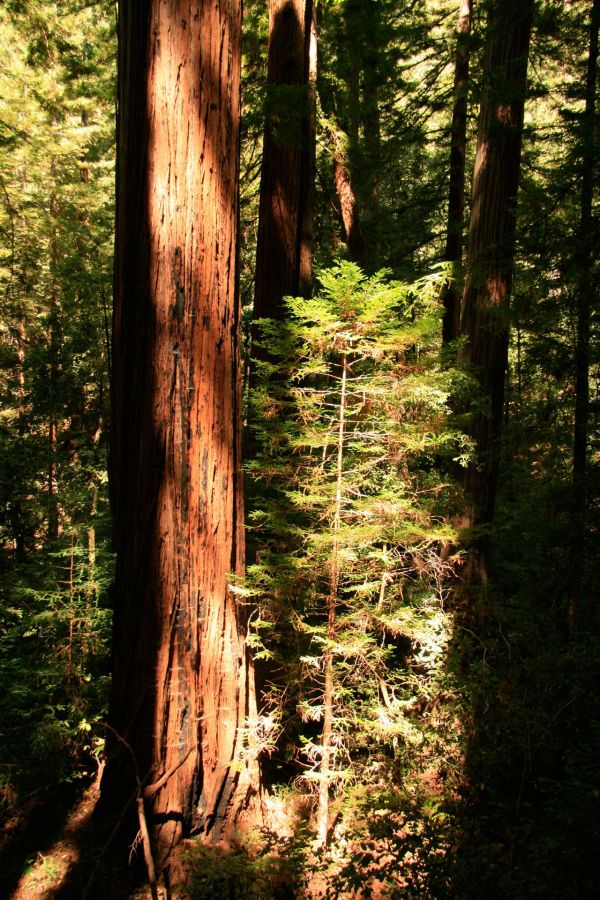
column 50, row 848
column 502, row 805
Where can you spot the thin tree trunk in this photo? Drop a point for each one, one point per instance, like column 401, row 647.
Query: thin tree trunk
column 283, row 252
column 16, row 507
column 344, row 134
column 585, row 287
column 347, row 199
column 52, row 498
column 491, row 246
column 451, row 294
column 585, row 294
column 182, row 682
column 53, row 350
column 328, row 692
column 368, row 46
column 17, row 512
column 91, row 546
column 309, row 160
column 53, row 340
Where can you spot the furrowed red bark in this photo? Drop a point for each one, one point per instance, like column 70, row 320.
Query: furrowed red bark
column 451, row 294
column 491, row 246
column 182, row 682
column 284, row 251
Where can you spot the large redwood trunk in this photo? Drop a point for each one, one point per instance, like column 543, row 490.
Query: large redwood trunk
column 451, row 294
column 491, row 247
column 182, row 683
column 283, row 253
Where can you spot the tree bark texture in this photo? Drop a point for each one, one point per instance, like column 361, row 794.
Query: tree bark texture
column 350, row 103
column 451, row 294
column 284, row 243
column 491, row 242
column 344, row 187
column 182, row 683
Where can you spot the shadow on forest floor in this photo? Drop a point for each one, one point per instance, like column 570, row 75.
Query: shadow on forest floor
column 524, row 822
column 29, row 835
column 518, row 818
column 528, row 824
column 50, row 849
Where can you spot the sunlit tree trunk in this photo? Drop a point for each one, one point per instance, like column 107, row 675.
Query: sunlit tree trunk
column 344, row 119
column 310, row 163
column 18, row 520
column 53, row 354
column 182, row 682
column 52, row 488
column 284, row 251
column 347, row 199
column 332, row 603
column 451, row 294
column 491, row 246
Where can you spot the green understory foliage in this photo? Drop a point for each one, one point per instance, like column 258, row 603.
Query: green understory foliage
column 528, row 813
column 349, row 536
column 54, row 634
column 262, row 866
column 56, row 236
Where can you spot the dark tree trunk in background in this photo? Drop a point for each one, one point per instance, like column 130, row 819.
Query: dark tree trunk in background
column 451, row 294
column 347, row 199
column 586, row 289
column 491, row 247
column 342, row 108
column 182, row 683
column 369, row 51
column 284, row 245
column 310, row 164
column 354, row 127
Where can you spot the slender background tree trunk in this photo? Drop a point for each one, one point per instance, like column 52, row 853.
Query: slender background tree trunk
column 332, row 603
column 491, row 247
column 586, row 290
column 451, row 294
column 284, row 252
column 347, row 199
